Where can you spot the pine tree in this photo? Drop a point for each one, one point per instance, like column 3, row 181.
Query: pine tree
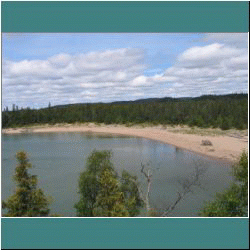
column 129, row 186
column 110, row 201
column 28, row 201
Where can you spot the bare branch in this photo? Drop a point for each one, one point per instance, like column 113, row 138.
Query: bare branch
column 187, row 186
column 172, row 207
column 148, row 175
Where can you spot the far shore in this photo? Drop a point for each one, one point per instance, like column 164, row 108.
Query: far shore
column 226, row 145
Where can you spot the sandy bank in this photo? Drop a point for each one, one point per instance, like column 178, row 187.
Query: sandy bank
column 224, row 146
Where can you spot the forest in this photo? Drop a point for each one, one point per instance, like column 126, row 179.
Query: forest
column 217, row 111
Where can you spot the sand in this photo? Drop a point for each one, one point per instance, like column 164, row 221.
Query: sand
column 226, row 147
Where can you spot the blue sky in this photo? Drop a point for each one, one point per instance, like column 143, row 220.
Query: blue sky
column 161, row 49
column 66, row 68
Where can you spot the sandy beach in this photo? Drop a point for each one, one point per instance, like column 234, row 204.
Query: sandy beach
column 226, row 146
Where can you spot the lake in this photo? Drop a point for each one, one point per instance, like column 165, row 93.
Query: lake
column 59, row 158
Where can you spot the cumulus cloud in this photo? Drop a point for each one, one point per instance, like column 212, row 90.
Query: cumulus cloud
column 75, row 76
column 212, row 69
column 119, row 74
column 208, row 55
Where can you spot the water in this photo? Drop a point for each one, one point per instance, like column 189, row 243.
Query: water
column 59, row 158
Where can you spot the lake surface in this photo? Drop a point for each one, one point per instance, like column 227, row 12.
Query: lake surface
column 59, row 158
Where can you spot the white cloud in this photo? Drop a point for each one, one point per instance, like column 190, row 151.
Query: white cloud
column 72, row 76
column 237, row 40
column 119, row 74
column 60, row 61
column 140, row 81
column 211, row 69
column 210, row 55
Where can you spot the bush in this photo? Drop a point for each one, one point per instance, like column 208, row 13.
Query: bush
column 103, row 192
column 232, row 202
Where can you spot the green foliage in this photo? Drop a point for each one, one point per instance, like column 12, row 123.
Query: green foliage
column 218, row 122
column 240, row 172
column 232, row 202
column 88, row 190
column 89, row 185
column 228, row 111
column 103, row 193
column 198, row 121
column 129, row 187
column 99, row 160
column 226, row 123
column 227, row 204
column 28, row 201
column 110, row 200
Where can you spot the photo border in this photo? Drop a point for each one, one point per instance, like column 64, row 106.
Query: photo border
column 111, row 17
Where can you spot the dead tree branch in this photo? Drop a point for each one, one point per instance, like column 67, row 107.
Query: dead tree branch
column 148, row 174
column 187, row 185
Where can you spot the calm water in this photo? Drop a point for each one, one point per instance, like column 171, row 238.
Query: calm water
column 58, row 159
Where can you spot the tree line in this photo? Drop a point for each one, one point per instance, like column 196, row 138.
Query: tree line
column 222, row 111
column 103, row 193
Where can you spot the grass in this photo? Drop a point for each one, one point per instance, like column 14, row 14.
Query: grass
column 208, row 131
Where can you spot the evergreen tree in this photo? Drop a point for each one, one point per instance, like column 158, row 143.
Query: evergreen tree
column 129, row 187
column 28, row 201
column 110, row 200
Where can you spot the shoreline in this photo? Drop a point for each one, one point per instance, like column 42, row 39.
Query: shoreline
column 224, row 146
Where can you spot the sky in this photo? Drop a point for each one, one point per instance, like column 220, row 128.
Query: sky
column 63, row 68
